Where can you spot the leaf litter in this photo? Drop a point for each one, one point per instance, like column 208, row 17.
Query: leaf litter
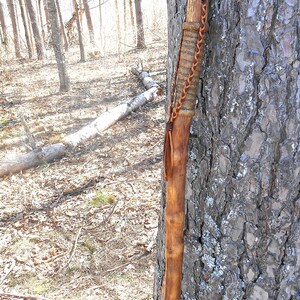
column 83, row 227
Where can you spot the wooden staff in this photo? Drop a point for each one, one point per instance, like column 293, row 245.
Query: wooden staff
column 184, row 91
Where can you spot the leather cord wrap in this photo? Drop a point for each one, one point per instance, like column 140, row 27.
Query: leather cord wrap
column 186, row 82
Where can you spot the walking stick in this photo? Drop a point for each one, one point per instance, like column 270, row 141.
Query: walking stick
column 184, row 91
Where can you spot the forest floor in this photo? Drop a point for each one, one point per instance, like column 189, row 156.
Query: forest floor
column 82, row 227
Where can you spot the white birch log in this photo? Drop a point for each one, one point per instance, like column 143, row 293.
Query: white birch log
column 146, row 79
column 109, row 118
column 32, row 159
column 103, row 122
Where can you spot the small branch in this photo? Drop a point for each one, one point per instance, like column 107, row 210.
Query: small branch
column 118, row 267
column 99, row 4
column 73, row 248
column 126, row 264
column 13, row 263
column 153, row 241
column 48, row 260
column 31, row 140
column 107, row 217
column 23, row 297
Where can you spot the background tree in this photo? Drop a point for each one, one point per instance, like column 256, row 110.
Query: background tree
column 29, row 27
column 118, row 26
column 125, row 17
column 81, row 46
column 102, row 39
column 131, row 14
column 242, row 193
column 139, row 25
column 41, row 21
column 11, row 8
column 46, row 15
column 35, row 29
column 62, row 27
column 27, row 37
column 3, row 26
column 57, row 47
column 89, row 21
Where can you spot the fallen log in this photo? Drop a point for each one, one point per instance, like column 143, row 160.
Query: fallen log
column 32, row 159
column 146, row 79
column 49, row 153
column 109, row 118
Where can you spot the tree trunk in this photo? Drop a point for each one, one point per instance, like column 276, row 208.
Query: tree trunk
column 139, row 25
column 80, row 11
column 25, row 24
column 82, row 54
column 242, row 234
column 89, row 21
column 56, row 43
column 11, row 8
column 102, row 39
column 3, row 26
column 133, row 27
column 47, row 15
column 35, row 29
column 1, row 37
column 41, row 22
column 131, row 15
column 125, row 17
column 118, row 26
column 62, row 27
column 29, row 27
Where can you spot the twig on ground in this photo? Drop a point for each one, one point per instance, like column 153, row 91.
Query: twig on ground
column 111, row 212
column 106, row 218
column 13, row 263
column 48, row 260
column 73, row 248
column 30, row 137
column 152, row 241
column 118, row 267
column 145, row 253
column 24, row 297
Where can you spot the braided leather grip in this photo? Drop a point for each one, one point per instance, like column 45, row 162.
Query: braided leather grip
column 189, row 40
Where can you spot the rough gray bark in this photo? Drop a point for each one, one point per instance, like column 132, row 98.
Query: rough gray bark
column 25, row 24
column 56, row 43
column 35, row 29
column 242, row 234
column 11, row 8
